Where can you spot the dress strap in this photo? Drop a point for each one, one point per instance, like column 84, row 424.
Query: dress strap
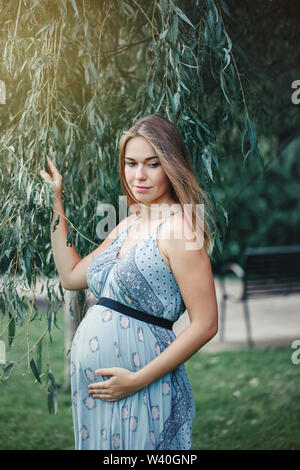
column 171, row 213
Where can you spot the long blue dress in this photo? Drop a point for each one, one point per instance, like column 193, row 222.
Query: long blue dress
column 160, row 416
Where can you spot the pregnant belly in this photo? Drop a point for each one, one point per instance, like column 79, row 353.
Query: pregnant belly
column 106, row 338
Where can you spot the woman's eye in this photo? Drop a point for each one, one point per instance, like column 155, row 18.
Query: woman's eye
column 152, row 165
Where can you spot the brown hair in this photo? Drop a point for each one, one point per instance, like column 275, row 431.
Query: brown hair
column 175, row 160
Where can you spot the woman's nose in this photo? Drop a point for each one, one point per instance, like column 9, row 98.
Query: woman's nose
column 140, row 171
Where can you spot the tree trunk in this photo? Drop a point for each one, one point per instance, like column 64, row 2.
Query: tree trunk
column 74, row 308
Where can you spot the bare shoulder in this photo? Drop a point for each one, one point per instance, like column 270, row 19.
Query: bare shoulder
column 173, row 235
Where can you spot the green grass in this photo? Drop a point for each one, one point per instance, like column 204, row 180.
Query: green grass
column 25, row 422
column 244, row 400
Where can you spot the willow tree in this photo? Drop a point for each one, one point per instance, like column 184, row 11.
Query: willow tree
column 77, row 73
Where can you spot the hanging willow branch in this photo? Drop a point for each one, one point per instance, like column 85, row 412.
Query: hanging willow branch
column 69, row 95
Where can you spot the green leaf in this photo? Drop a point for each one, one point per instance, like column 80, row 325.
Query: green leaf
column 164, row 4
column 56, row 223
column 27, row 260
column 50, row 323
column 73, row 3
column 160, row 102
column 183, row 17
column 219, row 29
column 90, row 112
column 250, row 130
column 210, row 22
column 101, row 177
column 20, row 307
column 8, row 369
column 176, row 100
column 206, row 157
column 150, row 89
column 86, row 74
column 172, row 101
column 51, row 393
column 173, row 31
column 225, row 8
column 154, row 48
column 204, row 127
column 11, row 329
column 223, row 86
column 39, row 357
column 52, row 379
column 64, row 6
column 163, row 34
column 35, row 370
column 199, row 135
column 69, row 240
column 52, row 399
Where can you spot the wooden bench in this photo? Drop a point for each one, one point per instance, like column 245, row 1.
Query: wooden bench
column 266, row 272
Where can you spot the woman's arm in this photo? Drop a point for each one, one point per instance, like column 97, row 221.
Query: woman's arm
column 72, row 269
column 193, row 273
column 65, row 257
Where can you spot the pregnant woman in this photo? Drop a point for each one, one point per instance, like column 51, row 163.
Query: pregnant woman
column 129, row 385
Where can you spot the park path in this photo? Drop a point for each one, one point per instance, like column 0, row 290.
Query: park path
column 274, row 321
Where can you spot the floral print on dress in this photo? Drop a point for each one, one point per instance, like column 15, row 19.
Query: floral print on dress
column 89, row 374
column 140, row 334
column 104, row 434
column 152, row 437
column 166, row 388
column 128, row 299
column 75, row 398
column 116, row 349
column 124, row 321
column 90, row 402
column 84, row 434
column 136, row 360
column 124, row 412
column 133, row 423
column 116, row 441
column 155, row 412
column 106, row 315
column 94, row 344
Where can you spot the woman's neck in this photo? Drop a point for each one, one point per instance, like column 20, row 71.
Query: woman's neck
column 153, row 212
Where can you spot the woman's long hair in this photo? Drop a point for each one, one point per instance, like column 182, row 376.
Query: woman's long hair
column 175, row 160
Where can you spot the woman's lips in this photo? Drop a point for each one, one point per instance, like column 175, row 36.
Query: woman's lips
column 142, row 188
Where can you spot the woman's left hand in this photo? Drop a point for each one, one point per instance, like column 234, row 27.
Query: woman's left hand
column 122, row 384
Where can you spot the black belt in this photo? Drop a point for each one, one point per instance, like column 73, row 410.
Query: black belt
column 137, row 314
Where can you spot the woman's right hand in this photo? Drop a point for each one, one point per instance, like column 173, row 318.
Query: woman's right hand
column 53, row 177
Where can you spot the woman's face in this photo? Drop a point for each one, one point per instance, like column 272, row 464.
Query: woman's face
column 143, row 169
